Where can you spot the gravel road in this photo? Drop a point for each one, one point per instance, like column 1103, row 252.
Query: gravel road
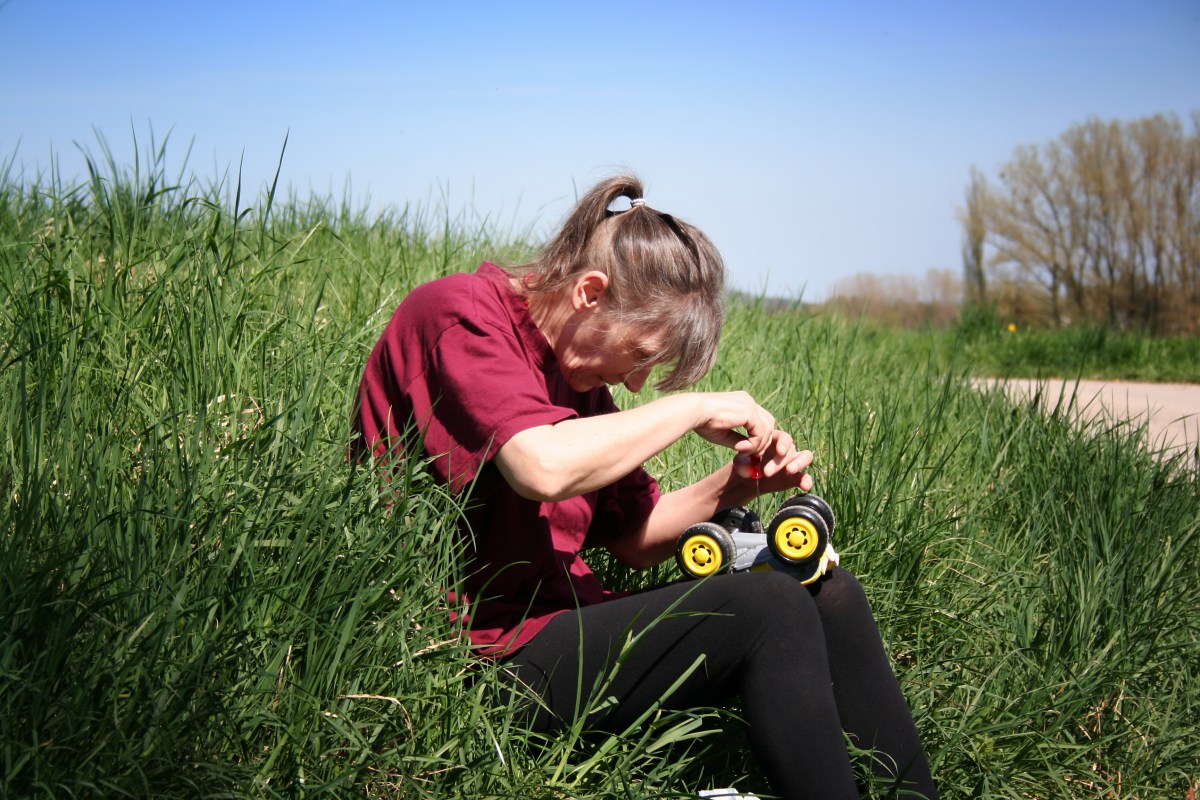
column 1172, row 409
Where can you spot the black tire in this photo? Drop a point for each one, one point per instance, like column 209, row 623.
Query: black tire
column 738, row 518
column 817, row 504
column 705, row 549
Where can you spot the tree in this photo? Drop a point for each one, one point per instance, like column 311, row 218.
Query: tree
column 1104, row 222
column 974, row 221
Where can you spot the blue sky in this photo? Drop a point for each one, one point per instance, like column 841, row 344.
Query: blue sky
column 812, row 141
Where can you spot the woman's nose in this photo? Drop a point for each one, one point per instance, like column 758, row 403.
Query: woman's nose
column 634, row 381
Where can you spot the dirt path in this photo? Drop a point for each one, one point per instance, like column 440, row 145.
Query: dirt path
column 1171, row 410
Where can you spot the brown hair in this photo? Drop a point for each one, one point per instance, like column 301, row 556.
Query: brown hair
column 664, row 275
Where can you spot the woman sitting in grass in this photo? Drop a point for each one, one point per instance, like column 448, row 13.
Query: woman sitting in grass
column 501, row 377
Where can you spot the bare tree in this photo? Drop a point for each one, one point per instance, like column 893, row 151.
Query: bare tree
column 905, row 301
column 974, row 221
column 1105, row 222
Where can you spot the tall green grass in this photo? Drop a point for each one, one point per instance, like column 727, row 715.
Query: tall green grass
column 201, row 598
column 1085, row 351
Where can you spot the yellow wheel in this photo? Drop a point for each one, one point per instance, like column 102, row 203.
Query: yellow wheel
column 704, row 549
column 702, row 555
column 798, row 534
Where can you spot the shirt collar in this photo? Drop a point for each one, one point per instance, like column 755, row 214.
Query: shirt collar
column 518, row 307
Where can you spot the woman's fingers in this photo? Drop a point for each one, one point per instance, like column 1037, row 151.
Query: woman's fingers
column 782, row 467
column 764, row 453
column 734, row 420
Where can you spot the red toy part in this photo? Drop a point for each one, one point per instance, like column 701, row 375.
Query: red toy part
column 756, row 467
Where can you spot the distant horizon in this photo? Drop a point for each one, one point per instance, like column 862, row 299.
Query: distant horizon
column 810, row 143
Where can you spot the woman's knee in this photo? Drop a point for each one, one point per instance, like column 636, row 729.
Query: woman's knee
column 769, row 600
column 773, row 598
column 777, row 586
column 839, row 592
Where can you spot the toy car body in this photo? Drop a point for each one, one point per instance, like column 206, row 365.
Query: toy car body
column 798, row 540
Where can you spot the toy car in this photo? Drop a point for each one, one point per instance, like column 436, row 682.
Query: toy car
column 799, row 541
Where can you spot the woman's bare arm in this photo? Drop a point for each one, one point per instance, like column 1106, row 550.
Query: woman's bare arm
column 576, row 456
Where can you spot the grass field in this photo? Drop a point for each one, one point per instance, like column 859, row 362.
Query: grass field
column 1001, row 350
column 200, row 598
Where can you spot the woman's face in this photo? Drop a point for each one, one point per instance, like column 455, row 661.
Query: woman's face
column 592, row 348
column 598, row 353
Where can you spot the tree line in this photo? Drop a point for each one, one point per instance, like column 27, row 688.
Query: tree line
column 1100, row 226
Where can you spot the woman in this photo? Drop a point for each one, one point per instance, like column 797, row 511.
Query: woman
column 501, row 378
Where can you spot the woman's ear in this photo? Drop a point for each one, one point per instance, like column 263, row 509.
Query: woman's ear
column 589, row 290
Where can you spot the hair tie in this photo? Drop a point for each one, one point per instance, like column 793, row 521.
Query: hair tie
column 624, row 203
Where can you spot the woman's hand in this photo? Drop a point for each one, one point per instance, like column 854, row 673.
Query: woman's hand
column 722, row 414
column 783, row 467
column 766, row 458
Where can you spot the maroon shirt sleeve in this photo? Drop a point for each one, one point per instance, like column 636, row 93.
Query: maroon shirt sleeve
column 452, row 362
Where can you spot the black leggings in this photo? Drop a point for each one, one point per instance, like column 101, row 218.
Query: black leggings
column 807, row 663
